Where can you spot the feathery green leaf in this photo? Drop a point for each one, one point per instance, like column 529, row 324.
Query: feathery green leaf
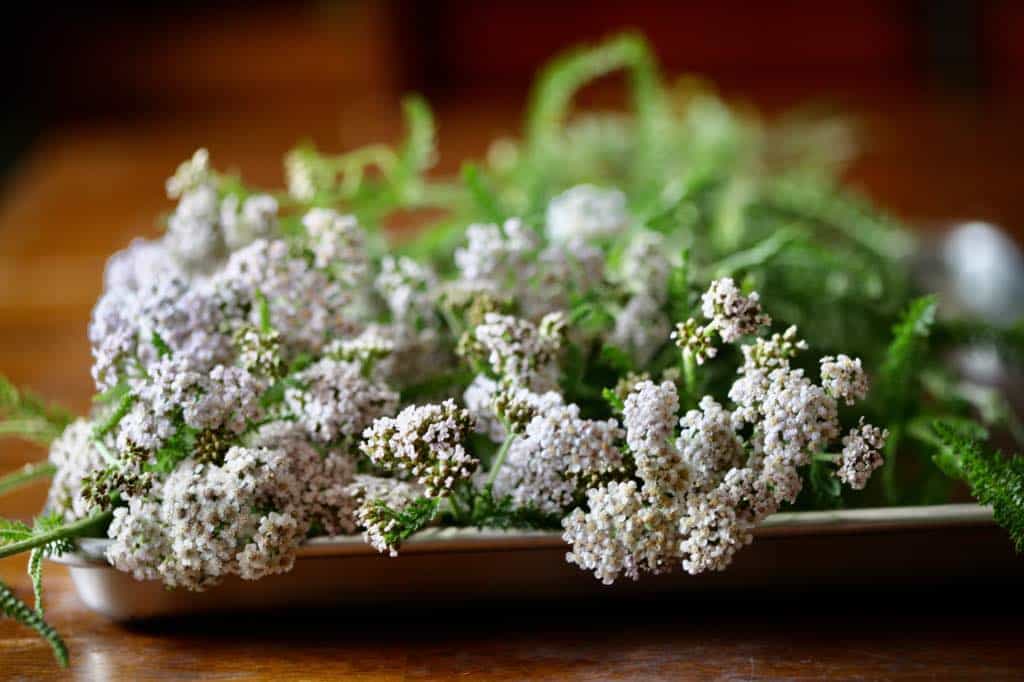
column 35, row 574
column 26, row 416
column 15, row 608
column 994, row 479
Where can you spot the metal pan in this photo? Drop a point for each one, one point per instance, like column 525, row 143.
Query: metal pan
column 892, row 546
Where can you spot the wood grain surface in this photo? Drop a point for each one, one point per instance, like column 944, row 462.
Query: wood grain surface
column 83, row 192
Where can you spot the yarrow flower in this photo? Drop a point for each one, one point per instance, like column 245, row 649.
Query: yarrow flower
column 77, row 458
column 190, row 174
column 772, row 352
column 245, row 222
column 843, row 377
column 587, row 212
column 408, row 287
column 695, row 339
column 425, row 443
column 519, row 351
column 333, row 400
column 558, row 452
column 862, row 454
column 254, row 364
column 193, row 235
column 641, row 328
column 649, row 417
column 732, row 314
column 621, row 534
column 496, row 255
column 245, row 517
column 707, row 442
column 380, row 504
column 338, row 245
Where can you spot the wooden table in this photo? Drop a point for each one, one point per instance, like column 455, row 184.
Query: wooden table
column 84, row 192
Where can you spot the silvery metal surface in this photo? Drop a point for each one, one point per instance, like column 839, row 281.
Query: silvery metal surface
column 800, row 549
column 977, row 270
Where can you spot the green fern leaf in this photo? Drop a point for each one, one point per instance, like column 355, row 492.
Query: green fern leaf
column 13, row 531
column 27, row 416
column 994, row 479
column 35, row 574
column 18, row 610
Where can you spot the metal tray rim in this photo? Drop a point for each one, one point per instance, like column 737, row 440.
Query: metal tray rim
column 90, row 552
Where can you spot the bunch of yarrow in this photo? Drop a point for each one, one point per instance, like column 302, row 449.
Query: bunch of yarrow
column 580, row 346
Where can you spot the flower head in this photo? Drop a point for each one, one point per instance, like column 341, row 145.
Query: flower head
column 733, row 314
column 843, row 377
column 587, row 212
column 191, row 173
column 425, row 443
column 862, row 454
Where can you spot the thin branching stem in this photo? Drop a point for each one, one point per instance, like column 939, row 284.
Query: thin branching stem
column 76, row 529
column 27, row 474
column 499, row 458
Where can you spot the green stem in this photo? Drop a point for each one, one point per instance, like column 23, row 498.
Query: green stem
column 80, row 528
column 33, row 429
column 825, row 457
column 889, row 468
column 499, row 458
column 689, row 375
column 25, row 475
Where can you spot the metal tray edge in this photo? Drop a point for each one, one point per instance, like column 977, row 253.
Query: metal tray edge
column 90, row 552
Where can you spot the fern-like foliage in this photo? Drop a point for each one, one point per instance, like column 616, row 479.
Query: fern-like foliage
column 35, row 574
column 12, row 531
column 910, row 336
column 124, row 405
column 488, row 511
column 27, row 416
column 15, row 608
column 418, row 153
column 994, row 479
column 898, row 380
column 398, row 525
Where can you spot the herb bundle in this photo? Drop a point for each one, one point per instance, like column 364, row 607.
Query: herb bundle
column 609, row 333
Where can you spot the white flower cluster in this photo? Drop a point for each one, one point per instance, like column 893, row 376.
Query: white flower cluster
column 251, row 372
column 621, row 534
column 494, row 255
column 520, row 352
column 557, row 452
column 334, row 401
column 844, row 378
column 642, row 325
column 378, row 501
column 203, row 227
column 587, row 212
column 699, row 496
column 245, row 517
column 77, row 458
column 862, row 454
column 408, row 287
column 649, row 416
column 338, row 244
column 424, row 442
column 708, row 442
column 308, row 306
column 733, row 314
column 226, row 398
column 730, row 314
column 511, row 262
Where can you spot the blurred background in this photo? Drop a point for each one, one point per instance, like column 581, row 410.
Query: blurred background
column 104, row 100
